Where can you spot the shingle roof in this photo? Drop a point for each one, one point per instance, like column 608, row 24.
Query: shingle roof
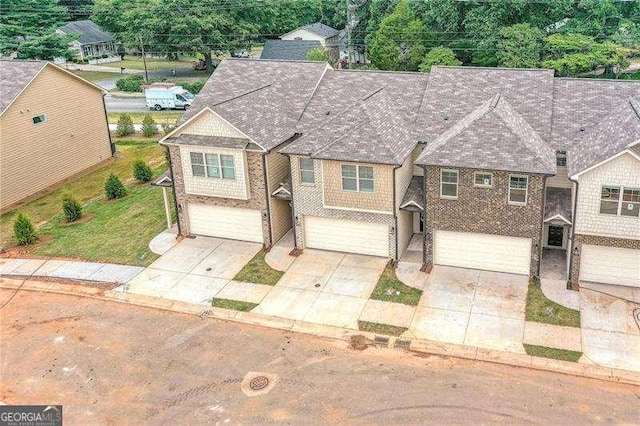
column 89, row 32
column 205, row 140
column 594, row 119
column 14, row 76
column 293, row 50
column 320, row 29
column 557, row 203
column 413, row 199
column 261, row 98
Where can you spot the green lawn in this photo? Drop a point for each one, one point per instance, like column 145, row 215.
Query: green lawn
column 236, row 305
column 391, row 289
column 96, row 75
column 159, row 117
column 545, row 352
column 374, row 327
column 105, row 233
column 541, row 309
column 153, row 64
column 258, row 272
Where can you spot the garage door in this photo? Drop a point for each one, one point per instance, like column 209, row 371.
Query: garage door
column 346, row 235
column 483, row 251
column 610, row 265
column 225, row 222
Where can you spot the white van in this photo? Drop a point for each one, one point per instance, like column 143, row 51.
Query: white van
column 160, row 96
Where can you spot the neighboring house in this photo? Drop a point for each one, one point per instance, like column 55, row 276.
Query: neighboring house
column 358, row 55
column 292, row 50
column 327, row 36
column 91, row 41
column 53, row 124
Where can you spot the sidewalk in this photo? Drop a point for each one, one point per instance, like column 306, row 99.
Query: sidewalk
column 68, row 269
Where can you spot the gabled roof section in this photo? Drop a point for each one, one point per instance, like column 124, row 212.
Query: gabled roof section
column 494, row 136
column 261, row 98
column 413, row 199
column 88, row 31
column 557, row 205
column 319, row 29
column 292, row 50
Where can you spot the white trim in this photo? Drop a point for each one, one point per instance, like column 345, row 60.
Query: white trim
column 620, row 201
column 619, row 237
column 279, row 190
column 357, row 178
column 410, row 203
column 300, row 170
column 350, row 209
column 526, row 190
column 450, row 197
column 613, row 157
column 483, row 185
column 559, row 216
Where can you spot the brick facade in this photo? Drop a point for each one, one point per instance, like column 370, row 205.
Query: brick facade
column 579, row 240
column 484, row 210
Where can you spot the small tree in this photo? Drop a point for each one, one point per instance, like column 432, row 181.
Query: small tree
column 520, row 46
column 113, row 187
column 125, row 125
column 23, row 230
column 149, row 126
column 439, row 56
column 319, row 54
column 71, row 208
column 142, row 171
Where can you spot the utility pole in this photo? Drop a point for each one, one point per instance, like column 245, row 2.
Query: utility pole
column 144, row 61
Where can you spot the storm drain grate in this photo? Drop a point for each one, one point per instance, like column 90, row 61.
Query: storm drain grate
column 381, row 340
column 405, row 344
column 259, row 383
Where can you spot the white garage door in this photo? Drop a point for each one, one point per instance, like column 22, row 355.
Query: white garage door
column 610, row 265
column 483, row 251
column 225, row 222
column 346, row 235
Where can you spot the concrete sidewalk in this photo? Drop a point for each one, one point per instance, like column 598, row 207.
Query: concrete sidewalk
column 69, row 269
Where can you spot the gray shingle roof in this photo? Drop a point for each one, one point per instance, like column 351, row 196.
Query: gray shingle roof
column 413, row 199
column 205, row 140
column 557, row 202
column 293, row 50
column 320, row 29
column 261, row 98
column 14, row 76
column 89, row 32
column 283, row 191
column 594, row 119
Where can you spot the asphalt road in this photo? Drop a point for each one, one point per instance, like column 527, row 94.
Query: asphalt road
column 109, row 363
column 125, row 104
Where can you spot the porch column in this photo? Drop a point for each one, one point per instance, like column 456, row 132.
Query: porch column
column 167, row 211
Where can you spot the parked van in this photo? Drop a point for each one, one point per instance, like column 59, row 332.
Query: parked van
column 161, row 95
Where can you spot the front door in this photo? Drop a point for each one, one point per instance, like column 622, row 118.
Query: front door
column 556, row 235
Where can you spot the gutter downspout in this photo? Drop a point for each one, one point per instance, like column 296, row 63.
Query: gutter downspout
column 424, row 217
column 573, row 235
column 268, row 197
column 112, row 145
column 173, row 187
column 396, row 208
column 541, row 244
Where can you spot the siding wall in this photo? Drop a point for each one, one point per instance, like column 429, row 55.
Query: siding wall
column 304, row 35
column 405, row 231
column 210, row 124
column 277, row 170
column 621, row 171
column 560, row 180
column 417, row 170
column 230, row 188
column 380, row 200
column 403, row 179
column 73, row 138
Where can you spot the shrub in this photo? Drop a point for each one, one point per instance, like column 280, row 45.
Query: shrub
column 71, row 208
column 142, row 171
column 125, row 125
column 23, row 230
column 113, row 187
column 130, row 83
column 149, row 126
column 167, row 128
column 193, row 87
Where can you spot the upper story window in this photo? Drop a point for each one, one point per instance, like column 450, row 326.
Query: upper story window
column 449, row 183
column 483, row 179
column 561, row 158
column 39, row 119
column 357, row 178
column 518, row 186
column 212, row 165
column 620, row 201
column 307, row 171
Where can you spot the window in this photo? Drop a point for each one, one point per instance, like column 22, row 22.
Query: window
column 630, row 202
column 482, row 179
column 609, row 200
column 307, row 171
column 449, row 183
column 39, row 119
column 212, row 165
column 561, row 160
column 357, row 178
column 518, row 189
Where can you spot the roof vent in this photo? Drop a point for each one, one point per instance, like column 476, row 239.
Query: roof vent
column 582, row 129
column 446, row 117
column 327, row 113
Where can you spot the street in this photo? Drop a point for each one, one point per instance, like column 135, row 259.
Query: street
column 111, row 363
column 126, row 104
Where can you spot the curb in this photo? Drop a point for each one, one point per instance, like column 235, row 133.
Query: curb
column 415, row 345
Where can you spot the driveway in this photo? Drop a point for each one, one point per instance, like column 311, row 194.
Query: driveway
column 471, row 307
column 610, row 319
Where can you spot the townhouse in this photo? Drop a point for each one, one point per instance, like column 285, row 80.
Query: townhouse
column 491, row 168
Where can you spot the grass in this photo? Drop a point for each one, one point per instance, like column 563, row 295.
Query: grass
column 545, row 352
column 159, row 117
column 258, row 272
column 541, row 309
column 153, row 64
column 389, row 286
column 106, row 235
column 236, row 305
column 374, row 327
column 96, row 75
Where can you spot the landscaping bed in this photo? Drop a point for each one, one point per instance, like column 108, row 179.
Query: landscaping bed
column 235, row 305
column 391, row 289
column 541, row 309
column 545, row 352
column 257, row 271
column 374, row 327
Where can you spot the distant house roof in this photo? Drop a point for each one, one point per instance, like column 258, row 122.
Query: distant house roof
column 88, row 31
column 318, row 28
column 14, row 76
column 294, row 50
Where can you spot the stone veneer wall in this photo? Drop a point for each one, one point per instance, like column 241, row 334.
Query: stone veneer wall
column 579, row 240
column 257, row 199
column 484, row 210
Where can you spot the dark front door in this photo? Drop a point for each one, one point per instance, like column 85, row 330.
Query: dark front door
column 556, row 234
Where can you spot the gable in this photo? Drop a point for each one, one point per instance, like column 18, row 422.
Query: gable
column 209, row 123
column 623, row 169
column 303, row 34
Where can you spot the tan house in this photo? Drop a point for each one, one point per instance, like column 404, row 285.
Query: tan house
column 53, row 126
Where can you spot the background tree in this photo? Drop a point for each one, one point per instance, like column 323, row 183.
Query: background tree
column 439, row 56
column 520, row 46
column 319, row 54
column 77, row 9
column 46, row 47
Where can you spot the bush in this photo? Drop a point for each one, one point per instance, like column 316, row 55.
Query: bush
column 23, row 230
column 125, row 125
column 130, row 83
column 113, row 187
column 71, row 208
column 142, row 171
column 149, row 126
column 167, row 128
column 193, row 87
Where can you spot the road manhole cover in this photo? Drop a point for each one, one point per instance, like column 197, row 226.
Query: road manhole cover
column 259, row 383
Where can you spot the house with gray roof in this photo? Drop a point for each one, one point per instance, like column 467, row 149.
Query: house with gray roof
column 90, row 40
column 481, row 168
column 328, row 37
column 292, row 50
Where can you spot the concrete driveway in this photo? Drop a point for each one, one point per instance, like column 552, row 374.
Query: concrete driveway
column 610, row 320
column 471, row 307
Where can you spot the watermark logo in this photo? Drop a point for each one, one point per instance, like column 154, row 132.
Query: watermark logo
column 30, row 415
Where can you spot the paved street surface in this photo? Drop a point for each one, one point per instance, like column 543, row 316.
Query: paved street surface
column 109, row 363
column 126, row 104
